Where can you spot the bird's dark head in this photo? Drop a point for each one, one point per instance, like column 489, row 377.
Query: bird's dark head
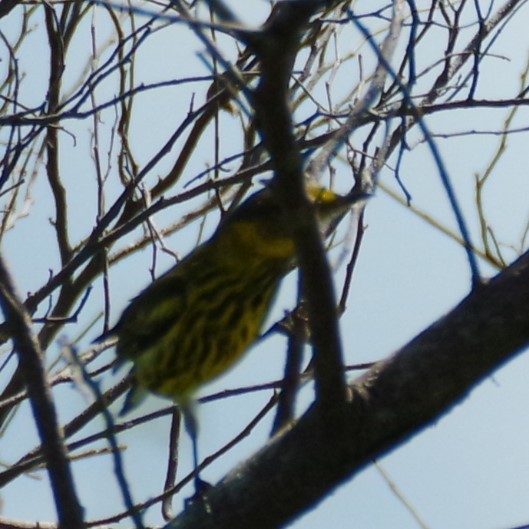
column 262, row 226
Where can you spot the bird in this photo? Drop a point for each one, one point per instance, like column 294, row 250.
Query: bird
column 198, row 319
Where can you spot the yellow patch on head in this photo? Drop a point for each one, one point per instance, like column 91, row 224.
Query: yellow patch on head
column 321, row 195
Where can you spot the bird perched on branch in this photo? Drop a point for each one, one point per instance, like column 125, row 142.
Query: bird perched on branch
column 195, row 321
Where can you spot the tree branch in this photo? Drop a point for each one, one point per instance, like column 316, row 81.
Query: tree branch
column 70, row 513
column 276, row 47
column 394, row 401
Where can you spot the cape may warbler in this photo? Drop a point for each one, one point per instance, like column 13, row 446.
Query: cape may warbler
column 195, row 321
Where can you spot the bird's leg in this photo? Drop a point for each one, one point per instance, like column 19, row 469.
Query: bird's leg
column 191, row 426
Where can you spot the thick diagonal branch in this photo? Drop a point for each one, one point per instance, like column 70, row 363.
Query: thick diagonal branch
column 394, row 401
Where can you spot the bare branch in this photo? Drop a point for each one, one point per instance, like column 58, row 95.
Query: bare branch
column 396, row 399
column 69, row 511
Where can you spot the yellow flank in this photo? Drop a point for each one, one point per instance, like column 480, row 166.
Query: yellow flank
column 195, row 321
